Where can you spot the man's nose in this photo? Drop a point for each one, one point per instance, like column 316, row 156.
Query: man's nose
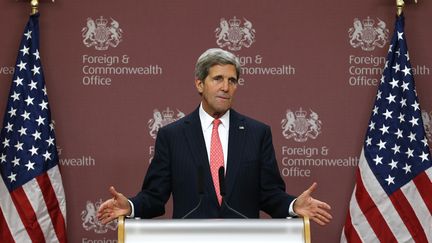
column 225, row 85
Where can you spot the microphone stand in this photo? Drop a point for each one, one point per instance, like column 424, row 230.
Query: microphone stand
column 223, row 193
column 200, row 186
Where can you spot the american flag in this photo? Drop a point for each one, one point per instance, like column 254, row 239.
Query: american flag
column 392, row 199
column 33, row 206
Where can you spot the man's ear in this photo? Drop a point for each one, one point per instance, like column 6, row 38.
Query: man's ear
column 199, row 84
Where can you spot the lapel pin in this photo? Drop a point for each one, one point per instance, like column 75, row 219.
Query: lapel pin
column 241, row 127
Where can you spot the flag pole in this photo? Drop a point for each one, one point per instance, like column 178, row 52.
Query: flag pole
column 400, row 5
column 34, row 7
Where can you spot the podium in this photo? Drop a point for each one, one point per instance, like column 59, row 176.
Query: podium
column 290, row 230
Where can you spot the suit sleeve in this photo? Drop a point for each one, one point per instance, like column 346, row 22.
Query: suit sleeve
column 156, row 188
column 273, row 198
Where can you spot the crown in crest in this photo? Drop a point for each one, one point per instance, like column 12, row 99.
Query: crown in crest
column 234, row 22
column 167, row 113
column 101, row 21
column 300, row 113
column 368, row 22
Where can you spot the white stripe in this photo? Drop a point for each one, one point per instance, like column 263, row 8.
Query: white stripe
column 359, row 221
column 56, row 182
column 343, row 238
column 35, row 197
column 429, row 173
column 421, row 211
column 383, row 202
column 11, row 215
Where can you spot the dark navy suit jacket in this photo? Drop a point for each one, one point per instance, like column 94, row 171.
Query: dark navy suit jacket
column 253, row 181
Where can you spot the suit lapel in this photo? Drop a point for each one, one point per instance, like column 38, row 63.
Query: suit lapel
column 236, row 142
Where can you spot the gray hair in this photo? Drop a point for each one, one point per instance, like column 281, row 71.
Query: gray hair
column 215, row 56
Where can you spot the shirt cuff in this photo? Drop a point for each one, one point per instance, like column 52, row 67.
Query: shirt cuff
column 291, row 209
column 132, row 214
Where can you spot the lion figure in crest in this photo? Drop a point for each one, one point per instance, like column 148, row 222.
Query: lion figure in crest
column 155, row 123
column 89, row 33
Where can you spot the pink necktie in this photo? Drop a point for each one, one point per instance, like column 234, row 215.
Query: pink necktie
column 216, row 157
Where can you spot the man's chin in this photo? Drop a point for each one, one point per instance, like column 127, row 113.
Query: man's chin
column 222, row 110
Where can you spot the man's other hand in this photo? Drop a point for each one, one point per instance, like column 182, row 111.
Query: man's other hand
column 306, row 205
column 112, row 208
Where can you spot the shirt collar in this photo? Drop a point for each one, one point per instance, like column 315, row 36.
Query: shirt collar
column 207, row 120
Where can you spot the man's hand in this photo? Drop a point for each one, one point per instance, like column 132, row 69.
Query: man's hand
column 114, row 207
column 306, row 205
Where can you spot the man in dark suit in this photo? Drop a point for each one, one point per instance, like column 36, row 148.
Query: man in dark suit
column 190, row 152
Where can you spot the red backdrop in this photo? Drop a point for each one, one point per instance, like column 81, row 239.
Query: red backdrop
column 111, row 66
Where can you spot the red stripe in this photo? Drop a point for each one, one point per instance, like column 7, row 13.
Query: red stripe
column 372, row 214
column 5, row 234
column 404, row 209
column 27, row 215
column 424, row 187
column 350, row 232
column 53, row 206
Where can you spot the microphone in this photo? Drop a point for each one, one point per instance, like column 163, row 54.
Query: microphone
column 221, row 173
column 223, row 192
column 200, row 189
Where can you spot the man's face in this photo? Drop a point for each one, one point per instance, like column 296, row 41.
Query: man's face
column 218, row 89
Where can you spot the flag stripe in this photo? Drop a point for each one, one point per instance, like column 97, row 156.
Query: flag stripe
column 429, row 173
column 12, row 220
column 54, row 212
column 408, row 215
column 343, row 239
column 351, row 232
column 57, row 186
column 424, row 187
column 27, row 215
column 373, row 215
column 5, row 234
column 421, row 211
column 359, row 222
column 34, row 192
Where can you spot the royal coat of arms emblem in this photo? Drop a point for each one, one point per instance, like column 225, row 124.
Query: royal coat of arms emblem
column 366, row 35
column 427, row 122
column 101, row 35
column 90, row 221
column 161, row 119
column 298, row 126
column 233, row 35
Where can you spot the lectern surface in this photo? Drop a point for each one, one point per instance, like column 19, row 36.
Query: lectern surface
column 214, row 230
